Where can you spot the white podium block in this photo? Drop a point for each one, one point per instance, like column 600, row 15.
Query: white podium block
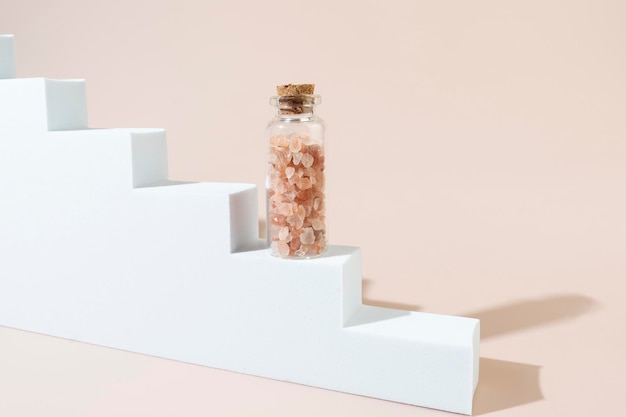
column 40, row 104
column 97, row 246
column 7, row 57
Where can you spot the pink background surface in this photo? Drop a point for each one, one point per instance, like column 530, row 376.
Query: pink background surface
column 476, row 154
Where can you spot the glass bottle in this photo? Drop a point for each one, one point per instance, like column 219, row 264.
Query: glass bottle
column 296, row 220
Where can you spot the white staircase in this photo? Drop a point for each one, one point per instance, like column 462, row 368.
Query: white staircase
column 98, row 246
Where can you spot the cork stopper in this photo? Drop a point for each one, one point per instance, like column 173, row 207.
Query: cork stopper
column 295, row 89
column 295, row 98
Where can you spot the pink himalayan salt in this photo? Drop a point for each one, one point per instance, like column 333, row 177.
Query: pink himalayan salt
column 303, row 183
column 301, row 212
column 282, row 248
column 301, row 194
column 291, row 195
column 315, row 151
column 277, row 219
column 317, row 224
column 283, row 234
column 306, row 139
column 307, row 160
column 279, row 140
column 286, row 209
column 308, row 250
column 320, row 245
column 295, row 144
column 276, row 198
column 274, row 229
column 307, row 236
column 295, row 243
column 295, row 221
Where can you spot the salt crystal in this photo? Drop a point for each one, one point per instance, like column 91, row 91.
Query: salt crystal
column 309, row 250
column 278, row 186
column 315, row 150
column 277, row 219
column 283, row 233
column 307, row 160
column 276, row 198
column 319, row 180
column 317, row 224
column 285, row 157
column 304, row 183
column 320, row 246
column 295, row 144
column 307, row 236
column 297, row 157
column 279, row 140
column 282, row 248
column 306, row 138
column 295, row 243
column 286, row 209
column 291, row 195
column 301, row 212
column 274, row 230
column 295, row 221
column 289, row 171
column 283, row 161
column 303, row 196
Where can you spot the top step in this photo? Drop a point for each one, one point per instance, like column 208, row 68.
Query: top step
column 7, row 57
column 38, row 104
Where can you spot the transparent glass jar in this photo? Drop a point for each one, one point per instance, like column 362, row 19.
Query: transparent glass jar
column 296, row 203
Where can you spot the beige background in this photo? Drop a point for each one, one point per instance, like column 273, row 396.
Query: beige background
column 476, row 154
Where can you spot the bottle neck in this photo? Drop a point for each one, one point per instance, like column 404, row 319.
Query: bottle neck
column 295, row 107
column 301, row 117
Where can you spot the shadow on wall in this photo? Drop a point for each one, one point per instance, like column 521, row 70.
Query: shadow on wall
column 526, row 314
